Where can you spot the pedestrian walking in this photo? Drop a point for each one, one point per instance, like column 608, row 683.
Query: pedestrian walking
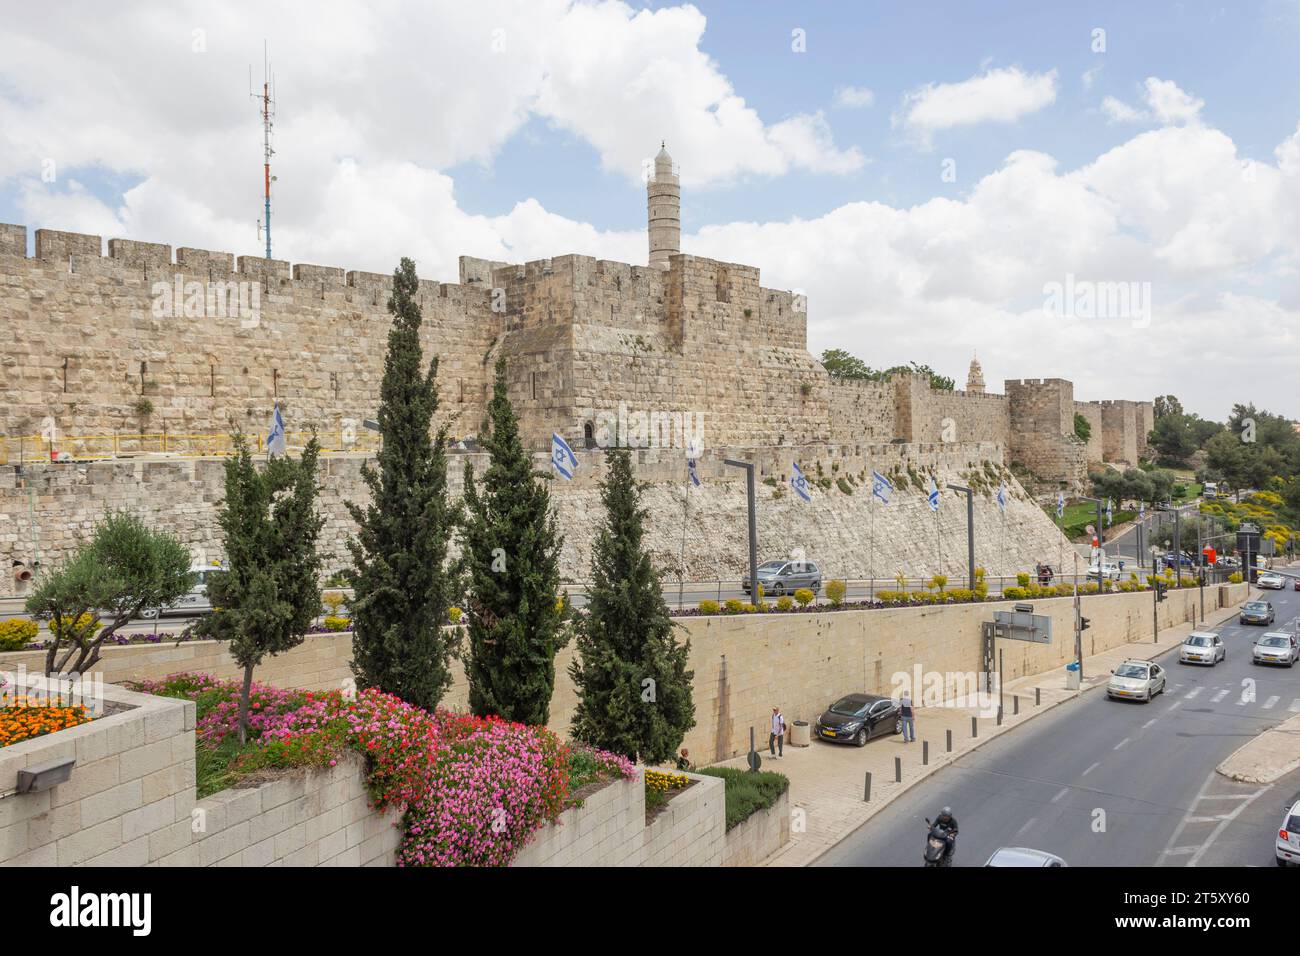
column 905, row 712
column 776, row 739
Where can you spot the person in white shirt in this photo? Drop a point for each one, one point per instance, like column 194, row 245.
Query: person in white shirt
column 776, row 740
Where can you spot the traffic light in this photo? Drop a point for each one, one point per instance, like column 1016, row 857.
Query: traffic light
column 1084, row 624
column 1160, row 589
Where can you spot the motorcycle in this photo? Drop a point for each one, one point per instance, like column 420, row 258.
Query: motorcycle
column 937, row 844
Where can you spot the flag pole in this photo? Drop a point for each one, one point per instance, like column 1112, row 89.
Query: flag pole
column 871, row 545
column 686, row 518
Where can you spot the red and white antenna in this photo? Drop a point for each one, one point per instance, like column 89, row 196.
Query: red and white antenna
column 268, row 121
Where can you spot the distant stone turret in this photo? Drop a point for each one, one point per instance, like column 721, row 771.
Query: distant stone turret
column 664, row 211
column 975, row 377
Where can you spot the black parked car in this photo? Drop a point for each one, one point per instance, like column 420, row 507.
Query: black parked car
column 856, row 718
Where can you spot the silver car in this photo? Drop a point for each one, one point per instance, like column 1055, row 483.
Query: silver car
column 1287, row 848
column 1202, row 647
column 1023, row 856
column 786, row 577
column 1136, row 680
column 195, row 602
column 1276, row 647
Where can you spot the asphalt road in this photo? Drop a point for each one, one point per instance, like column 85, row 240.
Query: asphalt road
column 1110, row 783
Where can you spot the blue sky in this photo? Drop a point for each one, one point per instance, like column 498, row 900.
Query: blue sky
column 515, row 131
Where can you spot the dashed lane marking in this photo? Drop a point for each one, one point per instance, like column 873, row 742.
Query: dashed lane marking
column 1122, row 743
column 1219, row 695
column 1271, row 702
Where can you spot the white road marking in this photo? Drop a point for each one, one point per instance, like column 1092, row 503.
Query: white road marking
column 1091, row 769
column 1269, row 704
column 1121, row 743
column 1219, row 695
column 1028, row 823
column 1063, row 792
column 1150, row 722
column 1194, row 692
column 1295, row 706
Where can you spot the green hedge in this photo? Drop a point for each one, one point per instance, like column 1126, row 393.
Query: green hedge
column 747, row 792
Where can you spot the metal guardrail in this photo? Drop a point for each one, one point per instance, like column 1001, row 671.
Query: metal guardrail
column 33, row 448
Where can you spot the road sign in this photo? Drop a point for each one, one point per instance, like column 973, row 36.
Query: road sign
column 1023, row 626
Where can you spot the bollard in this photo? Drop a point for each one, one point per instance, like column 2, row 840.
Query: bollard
column 1015, row 704
column 974, row 727
column 999, row 716
column 1038, row 696
column 950, row 741
column 898, row 770
column 866, row 788
column 925, row 753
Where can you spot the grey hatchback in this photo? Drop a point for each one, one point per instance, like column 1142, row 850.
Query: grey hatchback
column 786, row 577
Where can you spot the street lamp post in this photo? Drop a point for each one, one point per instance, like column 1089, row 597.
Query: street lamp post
column 748, row 466
column 970, row 534
column 1101, row 544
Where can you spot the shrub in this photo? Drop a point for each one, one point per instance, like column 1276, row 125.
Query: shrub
column 803, row 597
column 332, row 601
column 83, row 628
column 337, row 623
column 1022, row 579
column 961, row 595
column 16, row 633
column 844, row 485
column 1015, row 594
column 709, row 607
column 784, row 603
column 1235, row 578
column 455, row 613
column 733, row 606
column 835, row 592
column 939, row 582
column 747, row 608
column 891, row 597
column 747, row 792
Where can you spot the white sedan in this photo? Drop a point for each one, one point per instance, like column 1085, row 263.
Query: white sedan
column 1202, row 647
column 1110, row 571
column 1270, row 580
column 1287, row 848
column 1276, row 647
column 1136, row 680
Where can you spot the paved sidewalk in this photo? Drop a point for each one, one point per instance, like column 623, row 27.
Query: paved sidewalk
column 827, row 780
column 1266, row 758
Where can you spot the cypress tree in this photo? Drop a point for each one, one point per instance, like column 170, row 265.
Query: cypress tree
column 634, row 691
column 268, row 593
column 402, row 580
column 511, row 549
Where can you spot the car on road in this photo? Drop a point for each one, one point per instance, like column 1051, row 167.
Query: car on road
column 1023, row 856
column 195, row 602
column 1183, row 560
column 786, row 577
column 1270, row 580
column 1276, row 647
column 1287, row 848
column 857, row 718
column 1202, row 647
column 1256, row 612
column 1110, row 570
column 1136, row 680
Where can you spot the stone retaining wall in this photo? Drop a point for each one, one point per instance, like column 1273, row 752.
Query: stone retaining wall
column 752, row 841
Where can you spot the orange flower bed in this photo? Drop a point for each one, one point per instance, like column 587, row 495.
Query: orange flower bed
column 21, row 721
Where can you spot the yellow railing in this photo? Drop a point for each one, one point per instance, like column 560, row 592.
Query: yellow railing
column 33, row 448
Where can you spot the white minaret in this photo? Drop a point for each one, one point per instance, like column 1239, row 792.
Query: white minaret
column 664, row 210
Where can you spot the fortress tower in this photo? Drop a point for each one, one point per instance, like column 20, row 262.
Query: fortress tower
column 664, row 211
column 975, row 377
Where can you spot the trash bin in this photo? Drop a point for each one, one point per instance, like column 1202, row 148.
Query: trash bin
column 799, row 734
column 1072, row 675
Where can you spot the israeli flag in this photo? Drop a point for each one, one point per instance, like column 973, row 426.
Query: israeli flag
column 690, row 470
column 1060, row 505
column 799, row 483
column 1002, row 497
column 1142, row 510
column 562, row 457
column 275, row 441
column 1110, row 513
column 881, row 487
column 933, row 496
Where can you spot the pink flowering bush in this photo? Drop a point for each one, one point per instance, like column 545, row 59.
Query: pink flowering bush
column 474, row 790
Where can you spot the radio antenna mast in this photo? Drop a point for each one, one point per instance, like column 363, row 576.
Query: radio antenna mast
column 268, row 117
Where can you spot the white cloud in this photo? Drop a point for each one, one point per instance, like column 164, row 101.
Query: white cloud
column 854, row 96
column 1166, row 104
column 994, row 96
